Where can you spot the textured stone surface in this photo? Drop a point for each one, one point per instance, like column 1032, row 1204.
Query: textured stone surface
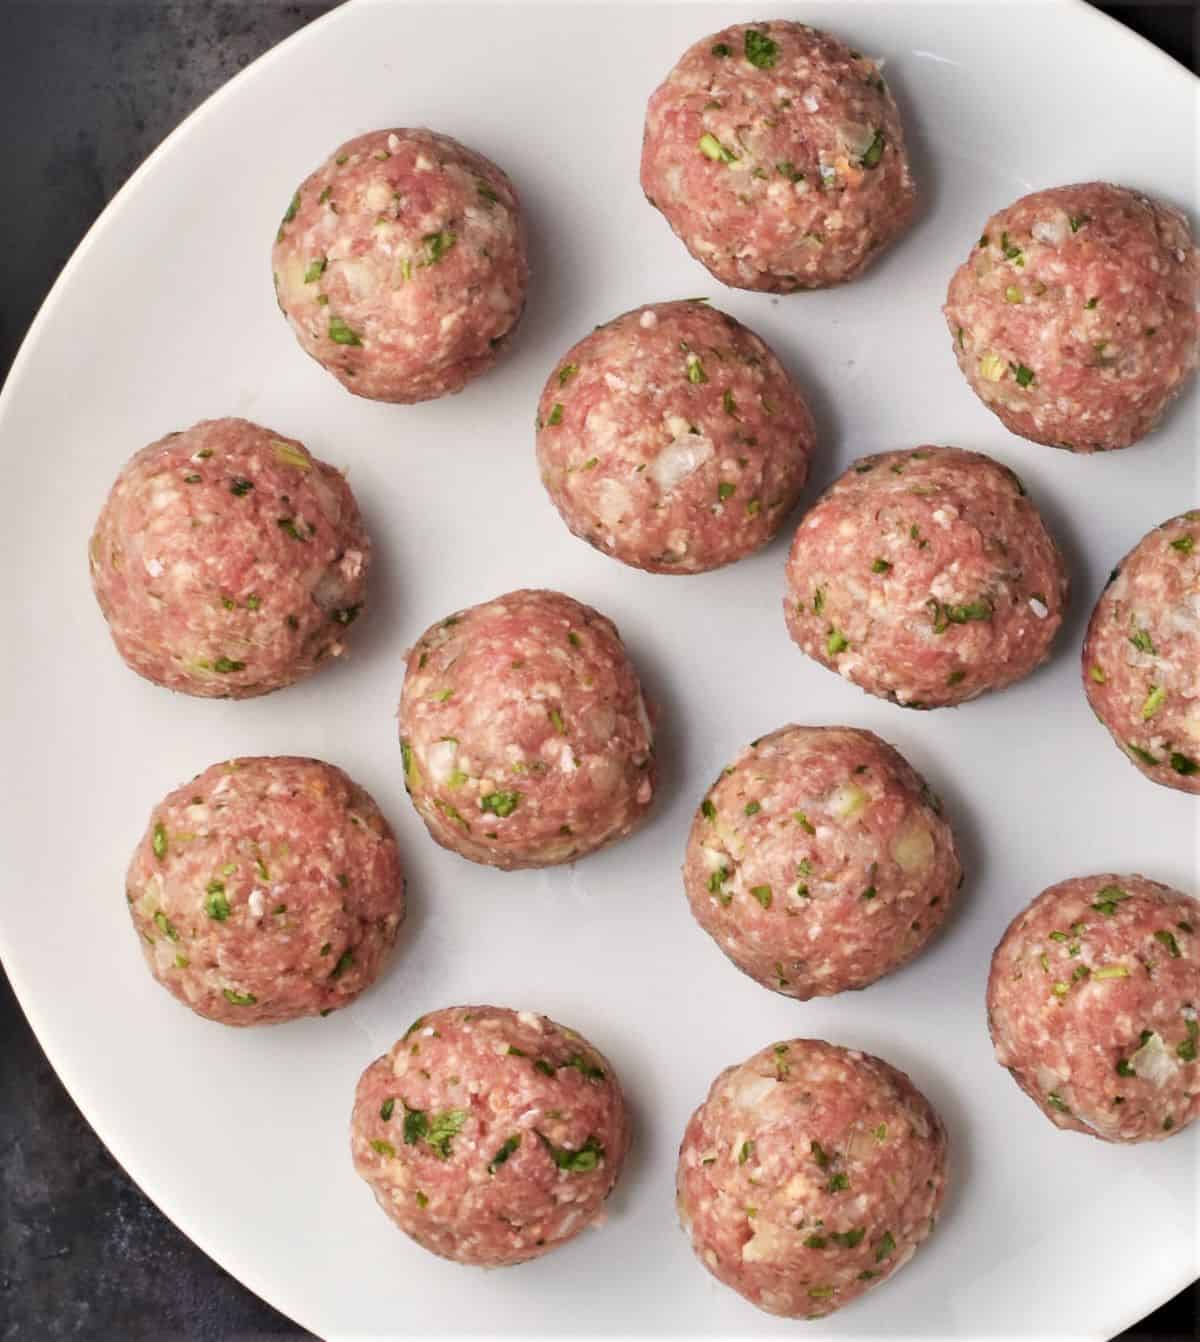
column 86, row 92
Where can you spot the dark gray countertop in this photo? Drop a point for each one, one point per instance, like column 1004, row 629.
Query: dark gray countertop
column 86, row 92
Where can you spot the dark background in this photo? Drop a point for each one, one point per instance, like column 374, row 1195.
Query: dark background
column 87, row 90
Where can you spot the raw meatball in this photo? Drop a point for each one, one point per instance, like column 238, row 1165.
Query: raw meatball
column 229, row 561
column 819, row 861
column 926, row 577
column 1074, row 317
column 266, row 889
column 673, row 439
column 777, row 156
column 400, row 264
column 525, row 736
column 1092, row 1006
column 810, row 1173
column 490, row 1136
column 1141, row 659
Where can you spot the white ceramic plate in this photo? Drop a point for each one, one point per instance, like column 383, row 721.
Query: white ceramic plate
column 165, row 316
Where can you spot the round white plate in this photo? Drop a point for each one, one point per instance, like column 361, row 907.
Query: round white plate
column 165, row 316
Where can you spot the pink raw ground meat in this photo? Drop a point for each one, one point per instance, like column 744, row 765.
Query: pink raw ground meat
column 400, row 264
column 819, row 861
column 266, row 889
column 809, row 1174
column 926, row 577
column 1141, row 659
column 525, row 736
column 229, row 561
column 673, row 439
column 1092, row 1006
column 490, row 1136
column 777, row 156
column 1074, row 317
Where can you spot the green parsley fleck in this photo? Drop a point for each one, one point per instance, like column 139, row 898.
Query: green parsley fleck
column 239, row 999
column 760, row 49
column 849, row 1239
column 436, row 246
column 1108, row 898
column 167, row 927
column 1167, row 939
column 885, row 1247
column 836, row 642
column 216, row 905
column 341, row 334
column 711, row 147
column 315, row 270
column 725, row 490
column 874, row 151
column 763, row 894
column 506, row 1150
column 500, row 803
column 1154, row 701
column 158, row 841
column 1023, row 375
column 587, row 1157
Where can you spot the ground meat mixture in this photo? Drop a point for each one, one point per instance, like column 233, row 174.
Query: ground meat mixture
column 1074, row 317
column 810, row 1174
column 777, row 156
column 673, row 439
column 819, row 861
column 926, row 577
column 400, row 264
column 229, row 561
column 525, row 737
column 1092, row 1005
column 266, row 889
column 490, row 1136
column 1141, row 659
